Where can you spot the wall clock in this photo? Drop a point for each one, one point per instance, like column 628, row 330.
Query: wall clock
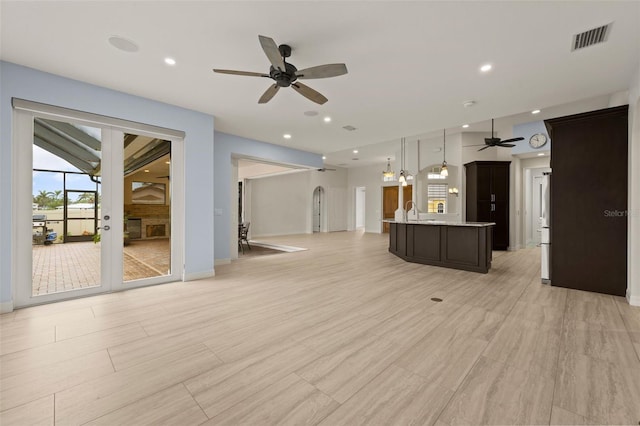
column 538, row 140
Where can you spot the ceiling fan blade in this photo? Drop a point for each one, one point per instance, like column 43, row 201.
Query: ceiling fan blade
column 268, row 94
column 506, row 145
column 322, row 71
column 273, row 53
column 247, row 73
column 512, row 140
column 309, row 93
column 482, row 149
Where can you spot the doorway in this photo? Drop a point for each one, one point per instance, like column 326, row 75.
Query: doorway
column 318, row 205
column 533, row 204
column 390, row 202
column 101, row 213
column 360, row 207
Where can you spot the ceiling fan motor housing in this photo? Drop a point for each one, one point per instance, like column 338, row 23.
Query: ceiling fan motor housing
column 284, row 79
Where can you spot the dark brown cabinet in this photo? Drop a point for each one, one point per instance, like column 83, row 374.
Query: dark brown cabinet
column 589, row 160
column 487, row 196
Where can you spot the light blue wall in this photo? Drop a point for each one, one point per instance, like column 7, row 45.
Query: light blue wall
column 26, row 83
column 227, row 145
column 526, row 130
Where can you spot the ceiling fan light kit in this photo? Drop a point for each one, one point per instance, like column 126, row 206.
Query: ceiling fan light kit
column 285, row 74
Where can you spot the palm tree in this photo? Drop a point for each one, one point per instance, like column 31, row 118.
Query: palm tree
column 43, row 198
column 57, row 199
column 86, row 197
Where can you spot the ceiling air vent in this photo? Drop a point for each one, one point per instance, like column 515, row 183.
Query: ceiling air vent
column 349, row 128
column 591, row 37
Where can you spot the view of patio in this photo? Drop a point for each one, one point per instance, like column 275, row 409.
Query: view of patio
column 71, row 266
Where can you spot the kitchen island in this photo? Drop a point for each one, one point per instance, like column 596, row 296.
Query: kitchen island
column 457, row 245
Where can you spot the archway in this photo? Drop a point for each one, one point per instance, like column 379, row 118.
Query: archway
column 318, row 209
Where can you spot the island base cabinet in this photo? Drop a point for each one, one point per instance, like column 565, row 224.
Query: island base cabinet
column 457, row 247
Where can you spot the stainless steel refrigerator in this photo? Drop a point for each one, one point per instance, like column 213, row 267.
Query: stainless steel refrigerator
column 545, row 229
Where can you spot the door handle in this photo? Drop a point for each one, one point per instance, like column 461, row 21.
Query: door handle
column 106, row 227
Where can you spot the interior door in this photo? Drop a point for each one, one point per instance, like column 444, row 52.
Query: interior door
column 389, row 205
column 390, row 202
column 317, row 209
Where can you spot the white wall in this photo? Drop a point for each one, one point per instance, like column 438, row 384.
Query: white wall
column 283, row 204
column 279, row 205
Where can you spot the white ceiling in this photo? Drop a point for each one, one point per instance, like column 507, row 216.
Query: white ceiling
column 411, row 64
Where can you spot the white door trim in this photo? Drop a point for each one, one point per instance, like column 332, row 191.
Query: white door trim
column 113, row 129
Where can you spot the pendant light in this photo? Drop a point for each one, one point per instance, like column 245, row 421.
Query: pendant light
column 444, row 170
column 407, row 173
column 403, row 174
column 388, row 175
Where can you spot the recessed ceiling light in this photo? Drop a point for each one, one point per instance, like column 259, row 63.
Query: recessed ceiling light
column 286, row 136
column 327, row 119
column 535, row 111
column 465, row 126
column 169, row 61
column 146, row 170
column 123, row 44
column 355, row 151
column 541, row 154
column 486, row 67
column 324, row 157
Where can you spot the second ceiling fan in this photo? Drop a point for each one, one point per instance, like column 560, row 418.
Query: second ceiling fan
column 493, row 141
column 285, row 74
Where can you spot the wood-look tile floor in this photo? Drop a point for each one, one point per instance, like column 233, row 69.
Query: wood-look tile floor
column 342, row 334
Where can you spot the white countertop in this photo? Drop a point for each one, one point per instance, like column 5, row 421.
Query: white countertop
column 442, row 222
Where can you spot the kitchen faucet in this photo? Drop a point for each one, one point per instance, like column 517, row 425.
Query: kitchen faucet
column 406, row 219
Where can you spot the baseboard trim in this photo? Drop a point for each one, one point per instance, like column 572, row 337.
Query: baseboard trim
column 6, row 307
column 199, row 275
column 219, row 262
column 633, row 300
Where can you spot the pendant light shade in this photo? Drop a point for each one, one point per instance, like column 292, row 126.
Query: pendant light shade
column 388, row 175
column 444, row 170
column 402, row 179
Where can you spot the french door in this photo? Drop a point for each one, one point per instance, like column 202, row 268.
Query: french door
column 80, row 185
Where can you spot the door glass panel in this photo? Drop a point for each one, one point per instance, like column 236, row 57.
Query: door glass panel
column 66, row 193
column 147, row 207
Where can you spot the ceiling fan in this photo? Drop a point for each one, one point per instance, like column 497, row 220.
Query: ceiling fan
column 492, row 141
column 285, row 74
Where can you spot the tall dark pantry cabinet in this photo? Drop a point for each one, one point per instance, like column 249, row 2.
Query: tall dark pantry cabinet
column 589, row 160
column 488, row 197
